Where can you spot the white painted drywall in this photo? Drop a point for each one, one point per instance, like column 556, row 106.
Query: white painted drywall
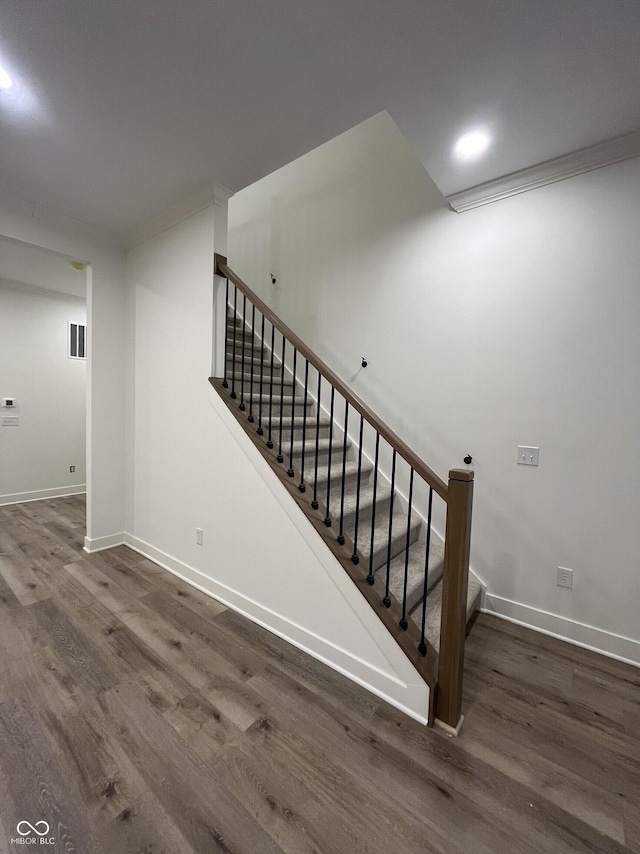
column 107, row 361
column 516, row 323
column 50, row 391
column 194, row 467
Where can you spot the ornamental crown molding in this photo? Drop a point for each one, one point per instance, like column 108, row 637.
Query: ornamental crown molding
column 605, row 153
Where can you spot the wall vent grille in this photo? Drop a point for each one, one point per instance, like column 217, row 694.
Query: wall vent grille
column 77, row 341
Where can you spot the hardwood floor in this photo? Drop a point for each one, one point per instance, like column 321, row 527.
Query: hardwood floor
column 139, row 715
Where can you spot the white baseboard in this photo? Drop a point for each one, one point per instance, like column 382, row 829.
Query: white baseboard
column 580, row 634
column 100, row 543
column 42, row 494
column 392, row 690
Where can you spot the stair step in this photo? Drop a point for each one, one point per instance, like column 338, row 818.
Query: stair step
column 258, row 359
column 415, row 572
column 277, row 383
column 286, row 430
column 365, row 508
column 285, row 403
column 381, row 539
column 322, row 448
column 258, row 351
column 310, row 429
column 351, row 474
column 240, row 330
column 434, row 610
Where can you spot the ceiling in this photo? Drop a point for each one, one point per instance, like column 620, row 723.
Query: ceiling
column 122, row 107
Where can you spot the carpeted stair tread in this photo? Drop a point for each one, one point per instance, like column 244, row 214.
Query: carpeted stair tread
column 245, row 382
column 434, row 609
column 415, row 573
column 259, row 353
column 381, row 539
column 299, row 425
column 249, row 371
column 383, row 494
column 287, row 397
column 310, row 448
column 351, row 474
column 240, row 336
column 257, row 359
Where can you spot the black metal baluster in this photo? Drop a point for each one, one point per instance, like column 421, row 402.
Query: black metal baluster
column 422, row 647
column 370, row 576
column 273, row 346
column 301, row 486
column 260, row 431
column 327, row 518
column 403, row 622
column 280, row 456
column 235, row 327
column 344, row 470
column 225, row 384
column 244, row 327
column 355, row 557
column 314, row 503
column 387, row 598
column 290, row 470
column 253, row 340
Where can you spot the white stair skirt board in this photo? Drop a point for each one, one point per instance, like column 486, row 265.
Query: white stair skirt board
column 407, row 696
column 42, row 494
column 408, row 692
column 589, row 637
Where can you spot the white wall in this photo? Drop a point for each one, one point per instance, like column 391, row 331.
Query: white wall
column 50, row 390
column 194, row 467
column 515, row 323
column 107, row 357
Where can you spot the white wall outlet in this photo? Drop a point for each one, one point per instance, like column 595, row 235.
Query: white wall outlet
column 199, row 535
column 8, row 401
column 565, row 577
column 528, row 456
column 10, row 421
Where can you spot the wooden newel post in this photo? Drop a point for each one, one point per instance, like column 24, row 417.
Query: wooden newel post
column 454, row 597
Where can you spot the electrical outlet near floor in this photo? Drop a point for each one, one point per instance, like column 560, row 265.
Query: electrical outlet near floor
column 72, row 468
column 199, row 533
column 565, row 577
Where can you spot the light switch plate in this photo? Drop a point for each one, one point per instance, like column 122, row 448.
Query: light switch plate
column 528, row 456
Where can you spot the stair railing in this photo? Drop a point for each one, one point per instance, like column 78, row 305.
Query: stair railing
column 255, row 402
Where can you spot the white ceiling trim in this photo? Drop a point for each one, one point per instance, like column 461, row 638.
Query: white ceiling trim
column 210, row 193
column 585, row 160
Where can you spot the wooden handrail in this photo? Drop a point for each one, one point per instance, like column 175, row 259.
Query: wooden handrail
column 221, row 269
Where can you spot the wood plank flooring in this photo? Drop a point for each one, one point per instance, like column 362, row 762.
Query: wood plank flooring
column 139, row 716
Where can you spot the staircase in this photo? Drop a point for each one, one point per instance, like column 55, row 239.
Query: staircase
column 327, row 448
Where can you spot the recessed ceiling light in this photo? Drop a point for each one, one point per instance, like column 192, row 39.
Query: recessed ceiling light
column 472, row 144
column 5, row 81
